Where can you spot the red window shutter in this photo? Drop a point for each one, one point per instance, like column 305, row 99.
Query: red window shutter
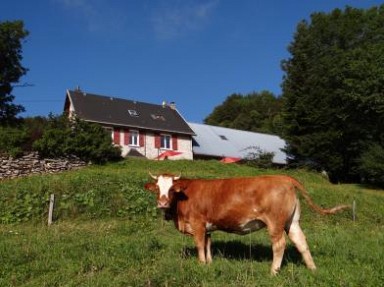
column 174, row 142
column 157, row 141
column 116, row 136
column 126, row 137
column 141, row 139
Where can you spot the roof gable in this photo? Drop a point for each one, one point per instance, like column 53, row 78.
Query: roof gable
column 126, row 113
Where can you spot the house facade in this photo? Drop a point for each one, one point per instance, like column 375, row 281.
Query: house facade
column 140, row 129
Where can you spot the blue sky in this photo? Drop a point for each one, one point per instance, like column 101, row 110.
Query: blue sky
column 195, row 53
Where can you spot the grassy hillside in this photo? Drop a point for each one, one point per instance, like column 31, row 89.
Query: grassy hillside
column 107, row 232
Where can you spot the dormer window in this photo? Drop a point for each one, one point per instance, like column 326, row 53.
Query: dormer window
column 158, row 117
column 133, row 113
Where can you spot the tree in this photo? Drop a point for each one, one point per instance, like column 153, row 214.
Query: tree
column 372, row 164
column 257, row 112
column 12, row 140
column 333, row 96
column 11, row 70
column 18, row 138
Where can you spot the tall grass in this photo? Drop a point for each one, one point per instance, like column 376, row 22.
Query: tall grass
column 107, row 232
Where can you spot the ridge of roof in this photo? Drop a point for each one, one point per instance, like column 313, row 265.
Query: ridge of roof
column 233, row 130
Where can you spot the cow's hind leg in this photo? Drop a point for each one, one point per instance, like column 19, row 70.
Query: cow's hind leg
column 298, row 238
column 278, row 247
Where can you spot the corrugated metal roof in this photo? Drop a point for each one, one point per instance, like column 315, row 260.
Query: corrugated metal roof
column 224, row 142
column 127, row 113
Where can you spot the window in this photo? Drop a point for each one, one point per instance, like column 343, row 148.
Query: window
column 223, row 137
column 158, row 117
column 165, row 141
column 133, row 113
column 134, row 138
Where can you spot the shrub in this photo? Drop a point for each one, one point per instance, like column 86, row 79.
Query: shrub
column 257, row 157
column 88, row 141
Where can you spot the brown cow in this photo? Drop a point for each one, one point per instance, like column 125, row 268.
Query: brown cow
column 237, row 205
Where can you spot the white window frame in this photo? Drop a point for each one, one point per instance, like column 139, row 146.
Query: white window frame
column 166, row 141
column 134, row 138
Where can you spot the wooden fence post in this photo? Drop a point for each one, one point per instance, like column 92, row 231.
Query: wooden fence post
column 50, row 211
column 354, row 210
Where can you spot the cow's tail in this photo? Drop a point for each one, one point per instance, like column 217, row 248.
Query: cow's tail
column 315, row 207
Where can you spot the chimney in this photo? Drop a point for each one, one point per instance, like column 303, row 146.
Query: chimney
column 172, row 105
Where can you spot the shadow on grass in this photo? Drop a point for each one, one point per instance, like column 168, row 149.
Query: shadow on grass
column 237, row 250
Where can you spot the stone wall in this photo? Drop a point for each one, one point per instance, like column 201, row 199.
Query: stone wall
column 32, row 164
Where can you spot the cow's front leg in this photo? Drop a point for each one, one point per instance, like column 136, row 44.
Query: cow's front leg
column 199, row 237
column 208, row 242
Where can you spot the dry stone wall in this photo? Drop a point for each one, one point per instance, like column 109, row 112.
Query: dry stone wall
column 32, row 164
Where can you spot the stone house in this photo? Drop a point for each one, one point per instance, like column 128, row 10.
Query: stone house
column 140, row 129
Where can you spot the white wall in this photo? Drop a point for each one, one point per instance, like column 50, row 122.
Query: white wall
column 184, row 145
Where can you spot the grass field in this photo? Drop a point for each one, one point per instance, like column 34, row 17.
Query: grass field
column 107, row 232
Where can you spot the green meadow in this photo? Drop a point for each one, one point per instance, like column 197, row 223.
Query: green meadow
column 108, row 232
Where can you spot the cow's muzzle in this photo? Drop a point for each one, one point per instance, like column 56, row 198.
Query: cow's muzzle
column 163, row 203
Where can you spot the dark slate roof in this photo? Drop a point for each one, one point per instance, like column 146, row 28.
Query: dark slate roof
column 127, row 113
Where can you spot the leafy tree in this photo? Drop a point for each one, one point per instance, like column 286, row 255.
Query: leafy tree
column 372, row 164
column 19, row 137
column 256, row 112
column 333, row 89
column 12, row 140
column 11, row 70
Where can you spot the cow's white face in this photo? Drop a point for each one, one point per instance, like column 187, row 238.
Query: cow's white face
column 164, row 183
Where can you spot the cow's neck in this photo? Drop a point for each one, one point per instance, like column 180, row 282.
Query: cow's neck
column 179, row 219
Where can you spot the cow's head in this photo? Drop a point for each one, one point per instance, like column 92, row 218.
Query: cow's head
column 163, row 188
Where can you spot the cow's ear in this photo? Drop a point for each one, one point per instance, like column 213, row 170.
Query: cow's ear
column 151, row 186
column 179, row 186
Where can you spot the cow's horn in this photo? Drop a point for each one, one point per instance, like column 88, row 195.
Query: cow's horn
column 153, row 176
column 177, row 177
